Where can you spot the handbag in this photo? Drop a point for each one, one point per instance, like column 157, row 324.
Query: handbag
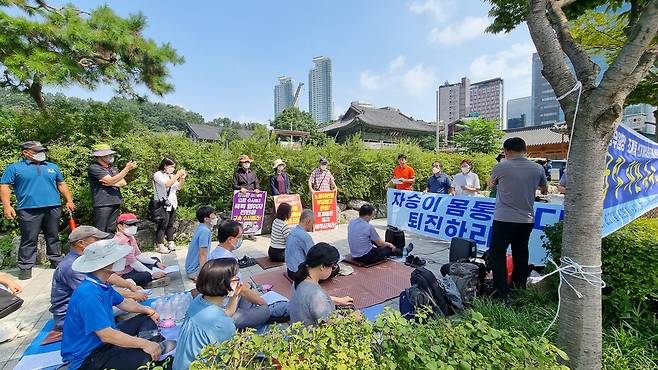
column 157, row 208
column 9, row 302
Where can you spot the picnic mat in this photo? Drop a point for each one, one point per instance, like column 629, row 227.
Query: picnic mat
column 266, row 263
column 368, row 286
column 349, row 259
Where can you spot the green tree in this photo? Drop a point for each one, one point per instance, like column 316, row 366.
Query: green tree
column 294, row 118
column 600, row 110
column 157, row 116
column 42, row 45
column 479, row 136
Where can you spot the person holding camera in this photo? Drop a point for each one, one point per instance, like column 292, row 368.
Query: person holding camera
column 166, row 184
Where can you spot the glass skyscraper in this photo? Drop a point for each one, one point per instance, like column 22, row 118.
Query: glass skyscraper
column 518, row 112
column 282, row 95
column 320, row 101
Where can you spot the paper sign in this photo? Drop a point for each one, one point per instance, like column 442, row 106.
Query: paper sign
column 249, row 210
column 325, row 209
column 295, row 201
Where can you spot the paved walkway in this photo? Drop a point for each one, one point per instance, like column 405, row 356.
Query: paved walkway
column 34, row 312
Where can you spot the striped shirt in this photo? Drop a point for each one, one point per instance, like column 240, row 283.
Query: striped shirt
column 321, row 180
column 279, row 236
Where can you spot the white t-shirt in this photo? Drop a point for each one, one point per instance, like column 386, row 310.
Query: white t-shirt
column 160, row 179
column 470, row 179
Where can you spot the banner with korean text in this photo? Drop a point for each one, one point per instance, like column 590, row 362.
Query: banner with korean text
column 325, row 208
column 295, row 202
column 249, row 210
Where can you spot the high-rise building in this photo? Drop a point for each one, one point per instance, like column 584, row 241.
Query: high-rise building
column 518, row 112
column 320, row 101
column 487, row 99
column 545, row 107
column 282, row 95
column 454, row 101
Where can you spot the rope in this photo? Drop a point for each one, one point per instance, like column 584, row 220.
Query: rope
column 578, row 86
column 571, row 268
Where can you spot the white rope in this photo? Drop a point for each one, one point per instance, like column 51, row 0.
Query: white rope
column 578, row 86
column 571, row 268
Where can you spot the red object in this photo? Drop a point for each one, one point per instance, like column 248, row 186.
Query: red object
column 124, row 217
column 325, row 208
column 510, row 268
column 72, row 223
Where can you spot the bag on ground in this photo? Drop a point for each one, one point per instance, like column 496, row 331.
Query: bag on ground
column 468, row 278
column 9, row 302
column 425, row 280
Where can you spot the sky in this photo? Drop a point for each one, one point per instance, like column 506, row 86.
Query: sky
column 388, row 53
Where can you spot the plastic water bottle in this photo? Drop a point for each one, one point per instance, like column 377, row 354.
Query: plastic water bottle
column 405, row 252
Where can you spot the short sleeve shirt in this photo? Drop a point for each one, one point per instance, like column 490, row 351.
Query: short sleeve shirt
column 471, row 179
column 89, row 310
column 298, row 244
column 517, row 181
column 321, row 180
column 35, row 184
column 439, row 184
column 65, row 281
column 131, row 257
column 221, row 252
column 360, row 235
column 404, row 173
column 103, row 195
column 201, row 239
column 160, row 179
column 309, row 304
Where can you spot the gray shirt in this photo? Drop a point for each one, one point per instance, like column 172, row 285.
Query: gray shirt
column 517, row 180
column 360, row 236
column 298, row 244
column 309, row 304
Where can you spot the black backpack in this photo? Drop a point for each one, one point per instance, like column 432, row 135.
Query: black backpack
column 425, row 280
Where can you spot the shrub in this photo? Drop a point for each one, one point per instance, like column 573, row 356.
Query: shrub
column 391, row 342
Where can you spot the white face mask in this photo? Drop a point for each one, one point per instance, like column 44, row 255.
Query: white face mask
column 108, row 158
column 234, row 286
column 466, row 170
column 246, row 165
column 436, row 170
column 119, row 265
column 213, row 221
column 169, row 169
column 280, row 168
column 39, row 157
column 130, row 230
column 323, row 167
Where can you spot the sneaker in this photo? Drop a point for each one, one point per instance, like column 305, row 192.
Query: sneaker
column 161, row 248
column 157, row 283
column 171, row 246
column 25, row 274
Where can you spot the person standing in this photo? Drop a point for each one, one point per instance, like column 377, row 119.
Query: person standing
column 280, row 181
column 467, row 182
column 106, row 181
column 244, row 178
column 38, row 185
column 321, row 178
column 439, row 182
column 404, row 175
column 516, row 180
column 166, row 184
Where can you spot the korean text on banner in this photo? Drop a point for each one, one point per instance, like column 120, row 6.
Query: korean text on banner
column 325, row 208
column 295, row 202
column 249, row 210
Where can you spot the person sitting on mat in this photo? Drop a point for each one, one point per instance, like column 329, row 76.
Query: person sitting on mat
column 208, row 317
column 252, row 310
column 365, row 244
column 300, row 242
column 66, row 280
column 310, row 304
column 197, row 253
column 139, row 267
column 92, row 339
column 280, row 231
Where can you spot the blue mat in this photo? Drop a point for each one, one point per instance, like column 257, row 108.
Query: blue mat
column 36, row 348
column 371, row 312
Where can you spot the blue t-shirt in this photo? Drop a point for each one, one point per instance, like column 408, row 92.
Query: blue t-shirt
column 360, row 235
column 201, row 239
column 221, row 252
column 205, row 323
column 35, row 183
column 439, row 184
column 89, row 310
column 298, row 244
column 65, row 280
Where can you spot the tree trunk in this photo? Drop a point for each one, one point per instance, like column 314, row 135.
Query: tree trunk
column 36, row 92
column 580, row 334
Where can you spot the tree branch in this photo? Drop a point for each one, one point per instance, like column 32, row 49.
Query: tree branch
column 586, row 70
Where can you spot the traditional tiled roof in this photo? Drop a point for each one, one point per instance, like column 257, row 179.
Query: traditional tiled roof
column 538, row 135
column 208, row 132
column 382, row 118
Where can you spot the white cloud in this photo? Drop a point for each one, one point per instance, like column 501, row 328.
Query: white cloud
column 418, row 79
column 469, row 28
column 397, row 63
column 369, row 80
column 513, row 64
column 438, row 9
column 415, row 80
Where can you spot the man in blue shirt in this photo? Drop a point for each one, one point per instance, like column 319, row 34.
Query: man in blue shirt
column 299, row 241
column 439, row 182
column 92, row 339
column 365, row 244
column 38, row 184
column 197, row 253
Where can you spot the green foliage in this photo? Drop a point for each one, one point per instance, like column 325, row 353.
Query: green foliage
column 157, row 116
column 392, row 342
column 479, row 136
column 627, row 348
column 630, row 271
column 295, row 119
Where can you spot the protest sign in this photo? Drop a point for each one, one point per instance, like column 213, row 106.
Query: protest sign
column 249, row 210
column 325, row 208
column 295, row 202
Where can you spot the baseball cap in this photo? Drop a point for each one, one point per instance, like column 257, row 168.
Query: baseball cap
column 127, row 219
column 84, row 232
column 35, row 146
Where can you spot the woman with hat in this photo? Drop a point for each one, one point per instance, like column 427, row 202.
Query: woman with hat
column 280, row 181
column 244, row 178
column 105, row 181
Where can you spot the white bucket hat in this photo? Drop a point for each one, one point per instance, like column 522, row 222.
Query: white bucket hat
column 277, row 163
column 100, row 254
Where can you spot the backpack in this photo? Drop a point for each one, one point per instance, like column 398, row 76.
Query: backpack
column 452, row 293
column 412, row 299
column 468, row 277
column 425, row 280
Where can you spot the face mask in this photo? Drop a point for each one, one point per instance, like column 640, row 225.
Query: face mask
column 436, row 170
column 213, row 221
column 323, row 167
column 234, row 286
column 39, row 157
column 108, row 159
column 246, row 165
column 280, row 168
column 465, row 170
column 130, row 230
column 169, row 170
column 119, row 265
column 238, row 244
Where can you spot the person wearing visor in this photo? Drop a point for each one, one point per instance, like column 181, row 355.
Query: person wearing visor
column 321, row 178
column 91, row 338
column 39, row 186
column 139, row 268
column 106, row 181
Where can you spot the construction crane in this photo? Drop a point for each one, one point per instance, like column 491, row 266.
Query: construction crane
column 294, row 99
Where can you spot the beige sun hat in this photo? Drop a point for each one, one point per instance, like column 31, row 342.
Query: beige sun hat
column 278, row 162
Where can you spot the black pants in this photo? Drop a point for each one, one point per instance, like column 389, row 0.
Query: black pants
column 277, row 254
column 105, row 218
column 32, row 222
column 504, row 234
column 141, row 278
column 109, row 356
column 375, row 255
column 166, row 227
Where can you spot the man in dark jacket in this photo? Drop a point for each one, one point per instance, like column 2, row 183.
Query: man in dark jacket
column 244, row 178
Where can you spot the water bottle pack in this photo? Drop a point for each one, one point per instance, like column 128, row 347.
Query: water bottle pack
column 172, row 307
